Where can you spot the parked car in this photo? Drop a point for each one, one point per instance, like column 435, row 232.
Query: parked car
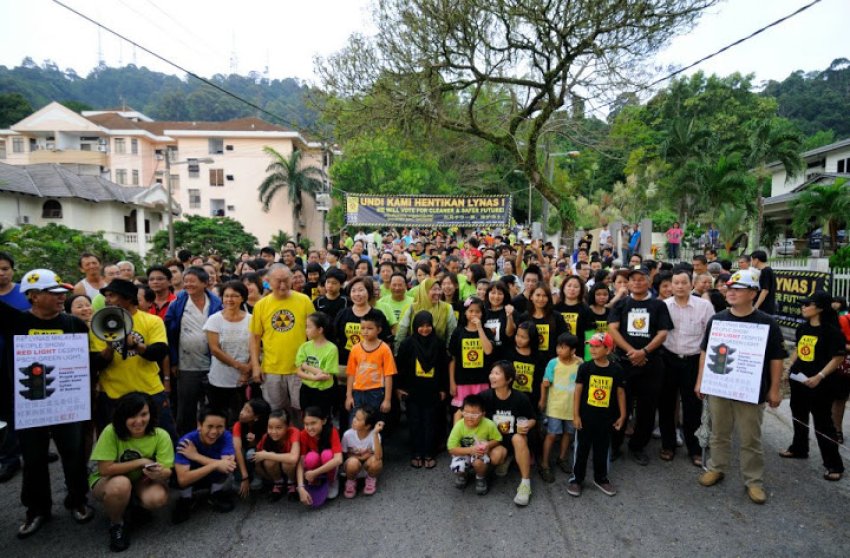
column 785, row 247
column 816, row 238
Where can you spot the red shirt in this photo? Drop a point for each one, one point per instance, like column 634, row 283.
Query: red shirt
column 308, row 443
column 162, row 309
column 291, row 436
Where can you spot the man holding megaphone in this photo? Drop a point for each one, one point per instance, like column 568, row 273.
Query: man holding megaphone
column 131, row 352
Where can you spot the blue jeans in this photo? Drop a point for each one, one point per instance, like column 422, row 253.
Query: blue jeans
column 369, row 398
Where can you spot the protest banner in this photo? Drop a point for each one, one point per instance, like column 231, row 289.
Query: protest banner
column 51, row 379
column 791, row 286
column 426, row 211
column 734, row 360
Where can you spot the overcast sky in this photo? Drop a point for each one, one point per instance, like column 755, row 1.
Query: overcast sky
column 285, row 35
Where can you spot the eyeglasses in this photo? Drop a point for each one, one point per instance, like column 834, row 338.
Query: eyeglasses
column 471, row 415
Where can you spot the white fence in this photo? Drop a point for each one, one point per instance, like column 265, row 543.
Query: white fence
column 840, row 276
column 841, row 282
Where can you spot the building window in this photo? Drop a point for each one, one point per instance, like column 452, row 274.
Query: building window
column 120, row 146
column 134, row 146
column 175, row 182
column 17, row 145
column 194, row 198
column 216, row 177
column 135, row 177
column 194, row 168
column 2, row 149
column 159, row 177
column 843, row 165
column 121, row 176
column 51, row 209
column 216, row 146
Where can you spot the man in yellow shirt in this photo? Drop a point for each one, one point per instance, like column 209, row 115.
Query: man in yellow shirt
column 278, row 328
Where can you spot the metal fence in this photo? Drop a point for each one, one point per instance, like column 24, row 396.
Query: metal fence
column 841, row 282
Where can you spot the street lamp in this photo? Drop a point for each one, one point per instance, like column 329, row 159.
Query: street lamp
column 168, row 163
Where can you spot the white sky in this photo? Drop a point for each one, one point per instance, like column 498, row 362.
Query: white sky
column 287, row 34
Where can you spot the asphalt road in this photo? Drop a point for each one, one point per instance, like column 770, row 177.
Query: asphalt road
column 660, row 510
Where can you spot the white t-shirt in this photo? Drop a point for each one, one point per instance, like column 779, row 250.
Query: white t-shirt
column 354, row 446
column 604, row 237
column 234, row 339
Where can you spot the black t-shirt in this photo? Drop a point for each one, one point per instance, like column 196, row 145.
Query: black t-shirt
column 640, row 320
column 472, row 366
column 529, row 372
column 775, row 349
column 767, row 281
column 347, row 332
column 599, row 391
column 332, row 307
column 547, row 332
column 520, row 303
column 496, row 322
column 504, row 412
column 816, row 346
column 577, row 317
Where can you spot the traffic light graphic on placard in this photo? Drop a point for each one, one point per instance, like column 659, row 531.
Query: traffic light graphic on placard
column 37, row 378
column 720, row 360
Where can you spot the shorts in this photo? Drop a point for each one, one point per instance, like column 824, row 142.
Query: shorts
column 282, row 391
column 558, row 426
column 462, row 463
column 467, row 389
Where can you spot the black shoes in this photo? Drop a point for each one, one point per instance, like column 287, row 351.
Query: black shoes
column 32, row 524
column 119, row 538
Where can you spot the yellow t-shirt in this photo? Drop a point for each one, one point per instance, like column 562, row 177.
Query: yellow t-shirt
column 282, row 326
column 133, row 373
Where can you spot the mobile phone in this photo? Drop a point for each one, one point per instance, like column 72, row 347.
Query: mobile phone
column 151, row 465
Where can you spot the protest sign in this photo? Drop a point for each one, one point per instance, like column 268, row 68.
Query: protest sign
column 734, row 360
column 430, row 211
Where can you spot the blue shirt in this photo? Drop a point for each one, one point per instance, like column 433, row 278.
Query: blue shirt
column 223, row 446
column 16, row 299
column 633, row 241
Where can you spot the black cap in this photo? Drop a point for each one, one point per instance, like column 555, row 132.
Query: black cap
column 123, row 288
column 638, row 269
column 821, row 299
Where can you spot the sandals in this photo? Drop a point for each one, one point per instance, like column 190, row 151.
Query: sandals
column 666, row 455
column 832, row 476
column 696, row 460
column 416, row 462
column 788, row 454
column 429, row 462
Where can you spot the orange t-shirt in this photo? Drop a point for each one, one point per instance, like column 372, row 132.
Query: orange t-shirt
column 368, row 368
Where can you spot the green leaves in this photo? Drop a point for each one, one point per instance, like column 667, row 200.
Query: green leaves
column 205, row 235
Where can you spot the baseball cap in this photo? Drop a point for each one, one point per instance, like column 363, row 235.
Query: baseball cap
column 744, row 279
column 638, row 269
column 821, row 299
column 601, row 340
column 44, row 280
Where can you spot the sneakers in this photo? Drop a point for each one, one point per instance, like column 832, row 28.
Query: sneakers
column 32, row 524
column 460, row 481
column 333, row 489
column 277, row 492
column 523, row 494
column 640, row 457
column 574, row 489
column 547, row 475
column 182, row 511
column 757, row 494
column 83, row 514
column 256, row 484
column 119, row 538
column 710, row 478
column 481, row 487
column 501, row 469
column 606, row 487
column 350, row 488
column 221, row 501
column 370, row 486
column 565, row 466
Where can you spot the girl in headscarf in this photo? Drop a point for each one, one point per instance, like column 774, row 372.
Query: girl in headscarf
column 422, row 363
column 427, row 297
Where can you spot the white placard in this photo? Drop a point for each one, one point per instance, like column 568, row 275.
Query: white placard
column 734, row 360
column 52, row 379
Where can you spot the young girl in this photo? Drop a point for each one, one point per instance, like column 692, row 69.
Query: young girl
column 133, row 458
column 423, row 383
column 549, row 323
column 246, row 434
column 278, row 453
column 364, row 453
column 470, row 348
column 597, row 304
column 529, row 362
column 321, row 456
column 317, row 362
column 451, row 293
column 573, row 308
column 499, row 318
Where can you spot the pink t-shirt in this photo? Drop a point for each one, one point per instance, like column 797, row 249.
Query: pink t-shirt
column 674, row 236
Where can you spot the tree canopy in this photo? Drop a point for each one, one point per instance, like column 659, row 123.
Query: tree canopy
column 205, row 235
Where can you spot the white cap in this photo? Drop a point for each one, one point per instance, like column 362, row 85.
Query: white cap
column 744, row 279
column 43, row 280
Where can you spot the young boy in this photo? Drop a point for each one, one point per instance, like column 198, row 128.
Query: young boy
column 556, row 399
column 474, row 442
column 205, row 459
column 332, row 302
column 599, row 379
column 370, row 369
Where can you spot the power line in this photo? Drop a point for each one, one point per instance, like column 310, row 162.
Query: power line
column 186, row 29
column 179, row 67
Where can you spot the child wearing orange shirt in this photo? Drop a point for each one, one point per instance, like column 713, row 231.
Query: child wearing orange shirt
column 370, row 368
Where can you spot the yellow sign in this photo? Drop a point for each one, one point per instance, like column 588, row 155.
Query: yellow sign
column 806, row 348
column 599, row 391
column 543, row 333
column 352, row 334
column 472, row 353
column 524, row 376
column 572, row 321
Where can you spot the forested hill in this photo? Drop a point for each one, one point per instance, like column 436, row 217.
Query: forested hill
column 158, row 95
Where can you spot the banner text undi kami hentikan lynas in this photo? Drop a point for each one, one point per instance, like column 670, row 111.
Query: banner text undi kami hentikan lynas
column 426, row 211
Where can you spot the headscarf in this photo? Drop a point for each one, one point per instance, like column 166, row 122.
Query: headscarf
column 439, row 311
column 425, row 349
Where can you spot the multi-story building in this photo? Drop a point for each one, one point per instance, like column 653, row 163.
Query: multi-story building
column 128, row 148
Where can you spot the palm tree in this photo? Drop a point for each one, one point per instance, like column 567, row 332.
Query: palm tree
column 289, row 173
column 732, row 223
column 827, row 203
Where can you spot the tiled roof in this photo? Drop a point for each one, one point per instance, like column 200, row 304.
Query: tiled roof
column 55, row 181
column 115, row 121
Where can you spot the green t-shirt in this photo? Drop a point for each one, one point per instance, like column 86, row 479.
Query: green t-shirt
column 325, row 357
column 464, row 437
column 393, row 309
column 466, row 289
column 98, row 303
column 110, row 447
column 349, row 242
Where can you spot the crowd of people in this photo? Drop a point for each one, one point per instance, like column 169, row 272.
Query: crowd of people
column 281, row 372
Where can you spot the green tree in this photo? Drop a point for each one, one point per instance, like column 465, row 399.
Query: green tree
column 731, row 221
column 77, row 106
column 205, row 235
column 279, row 239
column 13, row 108
column 291, row 174
column 827, row 204
column 58, row 248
